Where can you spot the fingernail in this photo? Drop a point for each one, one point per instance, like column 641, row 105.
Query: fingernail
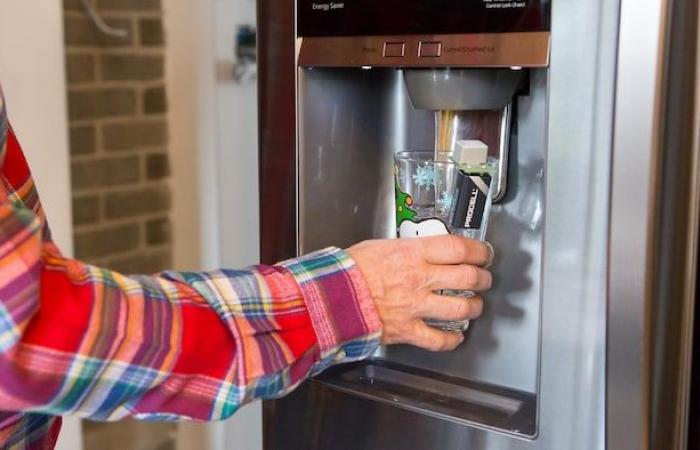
column 492, row 255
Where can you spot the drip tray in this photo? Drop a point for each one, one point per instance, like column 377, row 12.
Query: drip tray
column 457, row 400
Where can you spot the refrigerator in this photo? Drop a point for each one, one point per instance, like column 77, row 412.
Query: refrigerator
column 587, row 337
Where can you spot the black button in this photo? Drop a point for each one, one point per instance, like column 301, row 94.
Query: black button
column 430, row 49
column 394, row 49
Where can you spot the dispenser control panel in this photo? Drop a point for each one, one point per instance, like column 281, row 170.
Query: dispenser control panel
column 424, row 33
column 398, row 17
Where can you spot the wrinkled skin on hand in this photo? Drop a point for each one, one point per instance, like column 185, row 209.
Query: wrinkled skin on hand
column 404, row 274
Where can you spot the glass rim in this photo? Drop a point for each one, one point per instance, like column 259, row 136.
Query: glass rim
column 412, row 156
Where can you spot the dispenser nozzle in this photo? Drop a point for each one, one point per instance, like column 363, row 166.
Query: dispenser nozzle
column 461, row 89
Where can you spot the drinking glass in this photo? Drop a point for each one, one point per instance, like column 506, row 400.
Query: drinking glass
column 424, row 189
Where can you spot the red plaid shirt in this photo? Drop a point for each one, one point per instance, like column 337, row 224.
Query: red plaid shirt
column 78, row 339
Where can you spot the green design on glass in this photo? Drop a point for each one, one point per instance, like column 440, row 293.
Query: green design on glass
column 403, row 205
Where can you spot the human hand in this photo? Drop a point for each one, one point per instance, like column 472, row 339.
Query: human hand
column 403, row 275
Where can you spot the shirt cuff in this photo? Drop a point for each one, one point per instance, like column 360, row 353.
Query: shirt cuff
column 340, row 305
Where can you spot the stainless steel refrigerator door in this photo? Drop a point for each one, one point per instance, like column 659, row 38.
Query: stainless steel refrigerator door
column 570, row 379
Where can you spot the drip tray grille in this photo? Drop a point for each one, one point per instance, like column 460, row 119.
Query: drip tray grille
column 462, row 401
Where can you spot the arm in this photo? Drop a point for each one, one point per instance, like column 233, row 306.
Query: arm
column 93, row 342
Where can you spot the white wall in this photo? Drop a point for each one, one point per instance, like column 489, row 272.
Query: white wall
column 33, row 79
column 237, row 117
column 192, row 123
column 32, row 76
column 213, row 135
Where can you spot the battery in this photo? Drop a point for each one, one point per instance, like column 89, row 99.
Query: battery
column 471, row 197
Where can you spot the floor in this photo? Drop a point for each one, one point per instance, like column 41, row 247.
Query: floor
column 129, row 435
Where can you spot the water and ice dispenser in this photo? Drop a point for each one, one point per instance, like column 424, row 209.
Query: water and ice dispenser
column 352, row 121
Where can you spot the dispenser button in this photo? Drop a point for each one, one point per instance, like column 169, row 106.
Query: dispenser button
column 394, row 49
column 429, row 49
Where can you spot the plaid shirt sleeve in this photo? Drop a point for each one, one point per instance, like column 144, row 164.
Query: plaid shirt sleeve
column 78, row 339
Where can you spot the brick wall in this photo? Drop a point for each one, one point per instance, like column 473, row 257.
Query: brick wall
column 119, row 136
